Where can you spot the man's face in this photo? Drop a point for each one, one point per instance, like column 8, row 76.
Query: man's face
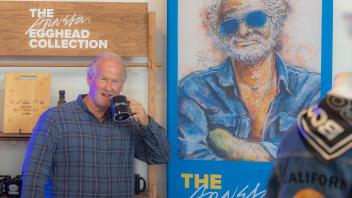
column 245, row 30
column 106, row 82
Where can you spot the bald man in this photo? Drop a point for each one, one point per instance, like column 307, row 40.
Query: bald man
column 78, row 150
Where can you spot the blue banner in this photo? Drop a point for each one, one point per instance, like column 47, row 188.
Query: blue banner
column 239, row 72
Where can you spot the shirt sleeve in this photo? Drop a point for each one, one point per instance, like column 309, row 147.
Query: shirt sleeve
column 271, row 148
column 152, row 145
column 315, row 99
column 37, row 166
column 193, row 130
column 274, row 183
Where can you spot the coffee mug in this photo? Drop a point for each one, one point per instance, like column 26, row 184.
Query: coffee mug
column 138, row 188
column 119, row 108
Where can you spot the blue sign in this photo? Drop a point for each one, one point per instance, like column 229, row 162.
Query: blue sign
column 239, row 72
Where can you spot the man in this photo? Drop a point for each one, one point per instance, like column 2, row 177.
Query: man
column 314, row 156
column 77, row 150
column 239, row 109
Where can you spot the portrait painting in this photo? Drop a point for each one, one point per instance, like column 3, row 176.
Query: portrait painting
column 246, row 69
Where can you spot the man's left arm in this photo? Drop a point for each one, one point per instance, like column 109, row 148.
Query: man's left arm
column 151, row 144
column 233, row 148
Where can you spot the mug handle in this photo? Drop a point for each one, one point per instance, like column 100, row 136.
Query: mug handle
column 144, row 184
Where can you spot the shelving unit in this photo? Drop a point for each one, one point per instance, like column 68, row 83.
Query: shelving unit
column 14, row 136
column 140, row 42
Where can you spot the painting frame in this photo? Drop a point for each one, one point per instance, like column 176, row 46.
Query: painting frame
column 196, row 178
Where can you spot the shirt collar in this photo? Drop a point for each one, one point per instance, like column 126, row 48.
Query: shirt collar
column 225, row 74
column 282, row 74
column 81, row 103
column 84, row 107
column 226, row 77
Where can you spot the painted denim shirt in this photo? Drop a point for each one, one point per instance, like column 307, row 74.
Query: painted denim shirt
column 211, row 99
column 297, row 170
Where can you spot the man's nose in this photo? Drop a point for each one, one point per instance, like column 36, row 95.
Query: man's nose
column 243, row 29
column 108, row 85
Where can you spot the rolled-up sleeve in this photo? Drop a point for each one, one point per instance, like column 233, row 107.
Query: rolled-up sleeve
column 152, row 145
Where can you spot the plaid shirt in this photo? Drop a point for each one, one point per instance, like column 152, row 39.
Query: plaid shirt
column 72, row 154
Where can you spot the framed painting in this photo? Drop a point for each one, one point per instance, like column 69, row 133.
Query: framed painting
column 239, row 72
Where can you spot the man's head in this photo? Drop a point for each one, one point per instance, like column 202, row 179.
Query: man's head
column 248, row 29
column 106, row 76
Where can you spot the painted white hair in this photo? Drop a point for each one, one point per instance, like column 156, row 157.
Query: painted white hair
column 277, row 10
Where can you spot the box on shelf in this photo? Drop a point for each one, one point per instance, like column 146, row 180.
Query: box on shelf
column 27, row 96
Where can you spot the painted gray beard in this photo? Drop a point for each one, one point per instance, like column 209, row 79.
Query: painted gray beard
column 251, row 55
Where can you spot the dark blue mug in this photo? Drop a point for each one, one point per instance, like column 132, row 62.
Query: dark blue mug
column 138, row 188
column 119, row 108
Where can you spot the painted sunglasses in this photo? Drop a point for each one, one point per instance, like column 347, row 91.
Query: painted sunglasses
column 231, row 26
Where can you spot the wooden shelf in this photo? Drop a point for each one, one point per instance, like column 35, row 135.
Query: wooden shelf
column 14, row 136
column 68, row 65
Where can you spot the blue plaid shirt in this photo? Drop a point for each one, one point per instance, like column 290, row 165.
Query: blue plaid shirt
column 211, row 99
column 72, row 154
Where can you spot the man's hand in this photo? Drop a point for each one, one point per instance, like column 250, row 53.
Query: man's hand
column 225, row 145
column 139, row 113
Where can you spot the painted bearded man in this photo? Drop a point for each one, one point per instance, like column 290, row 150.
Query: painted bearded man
column 239, row 109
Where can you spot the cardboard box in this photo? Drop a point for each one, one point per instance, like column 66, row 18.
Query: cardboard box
column 27, row 96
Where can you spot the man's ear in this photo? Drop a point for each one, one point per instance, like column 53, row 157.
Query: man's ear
column 89, row 80
column 123, row 85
